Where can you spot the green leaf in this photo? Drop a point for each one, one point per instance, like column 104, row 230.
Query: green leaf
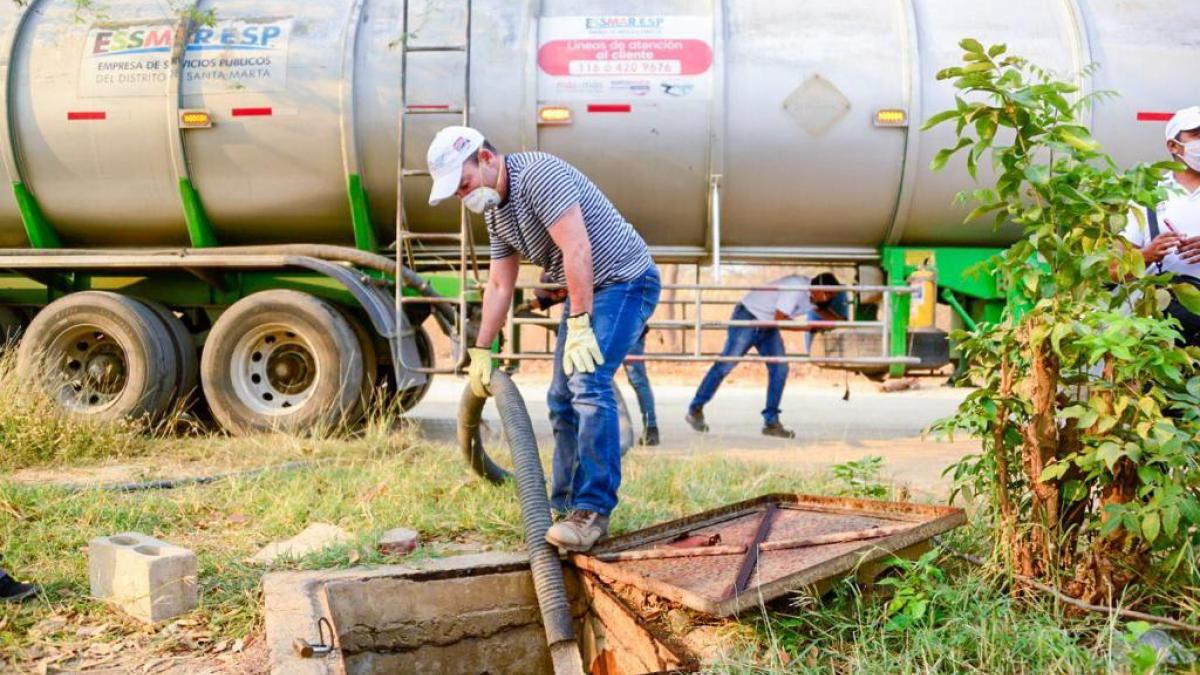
column 1053, row 472
column 1105, row 424
column 1190, row 510
column 1056, row 337
column 971, row 45
column 1170, row 521
column 1150, row 526
column 1188, row 296
column 1080, row 141
column 938, row 119
column 1059, row 103
column 997, row 50
column 979, row 67
column 1038, row 174
column 1109, row 453
column 943, row 156
column 1148, row 474
column 1074, row 490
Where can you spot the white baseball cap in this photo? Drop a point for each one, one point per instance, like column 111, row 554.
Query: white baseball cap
column 450, row 148
column 1184, row 120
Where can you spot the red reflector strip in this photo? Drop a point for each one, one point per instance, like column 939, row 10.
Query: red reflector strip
column 609, row 108
column 87, row 115
column 1155, row 116
column 250, row 112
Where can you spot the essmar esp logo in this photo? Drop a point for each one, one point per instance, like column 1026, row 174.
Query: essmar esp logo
column 600, row 23
column 160, row 38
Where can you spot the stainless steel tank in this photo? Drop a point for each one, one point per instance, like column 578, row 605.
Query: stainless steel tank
column 771, row 105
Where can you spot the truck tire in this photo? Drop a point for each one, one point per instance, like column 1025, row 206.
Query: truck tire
column 186, row 355
column 370, row 361
column 101, row 356
column 281, row 360
column 12, row 325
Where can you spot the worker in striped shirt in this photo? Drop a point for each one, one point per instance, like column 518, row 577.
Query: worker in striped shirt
column 541, row 208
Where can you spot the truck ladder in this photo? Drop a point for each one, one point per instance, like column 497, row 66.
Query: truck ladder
column 405, row 236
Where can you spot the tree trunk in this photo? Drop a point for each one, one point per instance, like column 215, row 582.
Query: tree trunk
column 1014, row 553
column 1039, row 449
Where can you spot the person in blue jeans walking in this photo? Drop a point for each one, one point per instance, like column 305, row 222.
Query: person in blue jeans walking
column 635, row 371
column 542, row 208
column 776, row 305
column 639, row 379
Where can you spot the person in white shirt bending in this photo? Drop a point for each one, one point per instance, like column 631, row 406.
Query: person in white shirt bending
column 777, row 305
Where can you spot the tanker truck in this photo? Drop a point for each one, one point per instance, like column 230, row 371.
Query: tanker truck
column 229, row 198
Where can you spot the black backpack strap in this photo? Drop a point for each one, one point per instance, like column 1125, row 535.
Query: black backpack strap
column 1153, row 216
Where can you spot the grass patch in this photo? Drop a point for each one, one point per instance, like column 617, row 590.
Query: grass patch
column 974, row 626
column 384, row 479
column 33, row 433
column 365, row 485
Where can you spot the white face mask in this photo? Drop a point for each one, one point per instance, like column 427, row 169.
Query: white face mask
column 1190, row 154
column 482, row 198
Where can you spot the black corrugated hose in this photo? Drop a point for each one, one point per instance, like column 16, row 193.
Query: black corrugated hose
column 535, row 509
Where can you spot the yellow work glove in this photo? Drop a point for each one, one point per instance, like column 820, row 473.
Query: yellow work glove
column 480, row 371
column 581, row 353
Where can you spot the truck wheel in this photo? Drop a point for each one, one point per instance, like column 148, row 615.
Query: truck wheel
column 12, row 325
column 281, row 360
column 101, row 356
column 186, row 356
column 370, row 362
column 409, row 398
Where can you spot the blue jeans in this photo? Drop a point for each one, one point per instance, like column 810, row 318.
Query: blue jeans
column 840, row 304
column 640, row 381
column 768, row 342
column 583, row 407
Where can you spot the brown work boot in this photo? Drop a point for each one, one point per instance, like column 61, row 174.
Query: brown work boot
column 695, row 419
column 579, row 531
column 777, row 430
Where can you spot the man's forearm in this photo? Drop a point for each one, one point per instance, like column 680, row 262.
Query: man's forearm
column 496, row 300
column 577, row 264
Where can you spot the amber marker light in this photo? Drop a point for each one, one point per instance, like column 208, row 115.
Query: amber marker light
column 194, row 119
column 891, row 117
column 554, row 114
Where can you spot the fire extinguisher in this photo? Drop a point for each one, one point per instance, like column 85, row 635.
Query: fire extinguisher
column 923, row 300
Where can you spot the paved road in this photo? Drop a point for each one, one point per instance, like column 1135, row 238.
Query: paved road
column 829, row 430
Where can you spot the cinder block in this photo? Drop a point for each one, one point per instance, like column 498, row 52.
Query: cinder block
column 149, row 579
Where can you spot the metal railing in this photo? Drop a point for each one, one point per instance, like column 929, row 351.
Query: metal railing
column 698, row 325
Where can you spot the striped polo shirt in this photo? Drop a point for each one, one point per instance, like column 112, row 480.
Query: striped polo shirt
column 541, row 188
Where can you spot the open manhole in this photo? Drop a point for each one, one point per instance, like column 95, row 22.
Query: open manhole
column 468, row 614
column 479, row 613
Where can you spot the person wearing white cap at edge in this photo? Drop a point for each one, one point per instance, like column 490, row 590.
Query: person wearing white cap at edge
column 540, row 207
column 1169, row 235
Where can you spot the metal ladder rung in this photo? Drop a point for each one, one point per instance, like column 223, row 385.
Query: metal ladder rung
column 422, row 300
column 418, row 110
column 433, row 236
column 416, row 172
column 437, row 48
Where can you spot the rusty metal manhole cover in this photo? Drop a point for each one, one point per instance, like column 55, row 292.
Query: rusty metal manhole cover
column 706, row 562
